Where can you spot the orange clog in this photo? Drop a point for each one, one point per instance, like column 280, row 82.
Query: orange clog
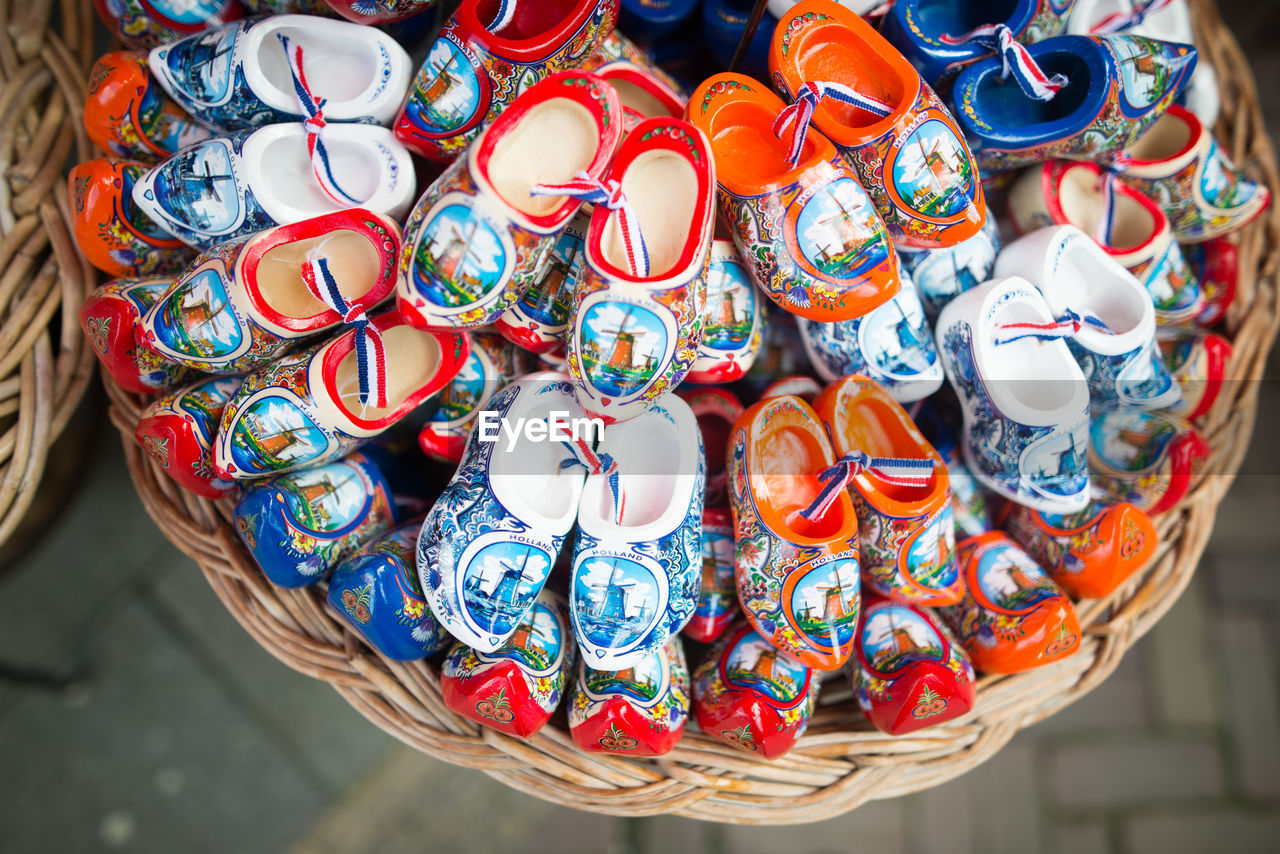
column 127, row 115
column 112, row 233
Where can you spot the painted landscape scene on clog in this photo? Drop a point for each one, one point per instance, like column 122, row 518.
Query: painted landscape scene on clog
column 717, row 596
column 909, row 558
column 624, row 345
column 833, row 233
column 541, row 315
column 817, row 606
column 650, row 698
column 267, row 429
column 940, row 275
column 451, row 90
column 200, row 196
column 931, row 171
column 1172, row 285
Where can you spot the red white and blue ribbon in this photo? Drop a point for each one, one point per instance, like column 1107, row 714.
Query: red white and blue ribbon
column 1102, row 231
column 1016, row 58
column 584, row 455
column 1119, row 21
column 314, row 124
column 371, row 354
column 1068, row 324
column 896, row 471
column 609, row 194
column 506, row 11
column 798, row 115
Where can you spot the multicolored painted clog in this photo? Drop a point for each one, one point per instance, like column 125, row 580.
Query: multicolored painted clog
column 515, row 688
column 114, row 234
column 911, row 672
column 127, row 116
column 485, row 232
column 379, row 11
column 1013, row 617
column 905, row 530
column 143, row 24
column 640, row 711
column 894, row 130
column 299, row 525
column 178, row 429
column 1149, row 459
column 493, row 363
column 111, row 319
column 716, row 410
column 539, row 320
column 1198, row 362
column 807, row 231
column 644, row 90
column 717, row 597
column 734, row 326
column 376, row 591
column 1215, row 264
column 804, row 387
column 750, row 696
column 940, row 275
column 797, row 574
column 485, row 57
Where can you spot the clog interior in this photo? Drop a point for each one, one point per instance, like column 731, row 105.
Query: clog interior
column 662, row 190
column 286, row 172
column 413, row 357
column 632, row 95
column 338, row 68
column 715, row 440
column 1082, row 205
column 1002, row 104
column 531, row 18
column 351, row 258
column 1084, row 284
column 874, row 428
column 790, row 459
column 1028, row 374
column 551, row 142
column 748, row 153
column 529, row 473
column 1164, row 139
column 647, row 450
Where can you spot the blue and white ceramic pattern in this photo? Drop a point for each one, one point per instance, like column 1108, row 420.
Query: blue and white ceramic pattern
column 941, row 275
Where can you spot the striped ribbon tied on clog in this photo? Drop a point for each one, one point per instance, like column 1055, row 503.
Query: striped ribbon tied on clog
column 897, row 471
column 609, row 194
column 1102, row 231
column 584, row 455
column 799, row 114
column 1138, row 12
column 1016, row 58
column 371, row 354
column 1068, row 323
column 314, row 124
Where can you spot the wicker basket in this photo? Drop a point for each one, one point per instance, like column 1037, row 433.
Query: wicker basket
column 840, row 762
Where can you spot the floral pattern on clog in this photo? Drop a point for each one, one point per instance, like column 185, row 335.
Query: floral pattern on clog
column 178, row 431
column 111, row 319
column 640, row 711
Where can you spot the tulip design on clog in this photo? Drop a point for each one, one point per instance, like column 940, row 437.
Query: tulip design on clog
column 487, row 229
column 1215, row 264
column 1198, row 362
column 911, row 672
column 492, row 364
column 797, row 560
column 1148, row 459
column 114, row 234
column 717, row 596
column 1013, row 617
column 494, row 533
column 178, row 430
column 906, row 534
column 641, row 302
column 750, row 696
column 804, row 226
column 245, row 302
column 1025, row 401
column 716, row 410
column 143, row 24
column 127, row 116
column 539, row 319
column 640, row 711
column 637, row 559
column 1112, row 318
column 893, row 344
column 486, row 57
column 111, row 319
column 515, row 688
column 867, row 99
column 253, row 72
column 734, row 326
column 378, row 11
column 322, row 402
column 941, row 275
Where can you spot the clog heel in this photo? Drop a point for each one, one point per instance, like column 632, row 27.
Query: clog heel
column 178, row 430
column 116, row 235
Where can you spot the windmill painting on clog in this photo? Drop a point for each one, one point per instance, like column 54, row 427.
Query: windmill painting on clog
column 1149, row 459
column 178, row 430
column 376, row 591
column 940, row 275
column 640, row 711
column 906, row 534
column 749, row 695
column 1024, row 399
column 493, row 363
column 257, row 71
column 111, row 319
column 803, row 224
column 734, row 326
column 717, row 596
column 1013, row 617
column 637, row 559
column 889, row 125
column 485, row 57
column 113, row 233
column 641, row 303
column 483, row 233
column 127, row 116
column 910, row 673
column 796, row 539
column 245, row 302
column 515, row 688
column 320, row 403
column 1198, row 361
column 143, row 24
column 300, row 525
column 539, row 320
column 494, row 533
column 892, row 344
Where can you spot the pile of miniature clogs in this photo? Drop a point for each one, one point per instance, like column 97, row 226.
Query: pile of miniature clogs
column 905, row 463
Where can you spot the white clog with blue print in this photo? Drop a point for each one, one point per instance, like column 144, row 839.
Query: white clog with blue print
column 941, row 275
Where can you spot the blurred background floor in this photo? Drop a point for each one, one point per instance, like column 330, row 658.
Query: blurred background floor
column 136, row 715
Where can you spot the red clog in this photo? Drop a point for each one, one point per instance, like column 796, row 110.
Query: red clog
column 111, row 318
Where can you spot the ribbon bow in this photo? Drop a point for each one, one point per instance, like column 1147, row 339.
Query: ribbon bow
column 585, row 456
column 608, row 193
column 800, row 113
column 1069, row 323
column 1016, row 58
column 897, row 471
column 314, row 124
column 1117, row 21
column 371, row 354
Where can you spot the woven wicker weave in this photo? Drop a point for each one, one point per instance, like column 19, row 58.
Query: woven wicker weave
column 840, row 762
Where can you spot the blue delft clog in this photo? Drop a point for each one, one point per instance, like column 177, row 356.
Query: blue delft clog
column 496, row 530
column 1024, row 399
column 637, row 559
column 249, row 73
column 376, row 591
column 111, row 318
column 143, row 24
column 940, row 275
column 539, row 319
column 483, row 232
column 300, row 525
column 893, row 345
column 641, row 711
column 178, row 430
column 734, row 325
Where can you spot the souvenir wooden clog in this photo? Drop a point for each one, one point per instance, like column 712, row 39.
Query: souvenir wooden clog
column 493, row 363
column 1198, row 362
column 724, row 23
column 644, row 90
column 299, row 525
column 113, row 233
column 1149, row 459
column 717, row 597
column 716, row 410
column 749, row 695
column 539, row 320
column 111, row 318
column 804, row 387
column 379, row 11
column 126, row 115
column 515, row 688
column 178, row 429
column 143, row 24
column 1215, row 264
column 376, row 591
column 1013, row 617
column 911, row 672
column 640, row 711
column 940, row 275
column 734, row 326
